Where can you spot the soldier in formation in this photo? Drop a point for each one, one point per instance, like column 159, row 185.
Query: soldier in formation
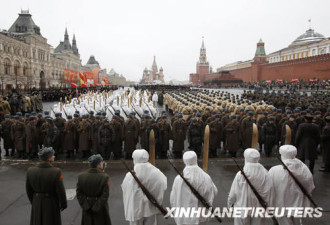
column 230, row 119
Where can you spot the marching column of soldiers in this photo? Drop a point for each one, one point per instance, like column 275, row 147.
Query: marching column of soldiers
column 230, row 118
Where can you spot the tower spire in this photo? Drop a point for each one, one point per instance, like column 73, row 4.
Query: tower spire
column 154, row 66
column 202, row 54
column 260, row 55
column 66, row 36
column 66, row 42
column 74, row 45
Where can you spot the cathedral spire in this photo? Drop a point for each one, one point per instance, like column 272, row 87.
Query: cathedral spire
column 154, row 66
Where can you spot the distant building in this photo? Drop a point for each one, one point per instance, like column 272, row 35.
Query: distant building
column 118, row 79
column 205, row 77
column 308, row 44
column 27, row 60
column 202, row 67
column 153, row 76
column 307, row 57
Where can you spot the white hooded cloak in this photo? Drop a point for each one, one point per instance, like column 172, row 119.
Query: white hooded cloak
column 136, row 204
column 241, row 195
column 286, row 192
column 181, row 195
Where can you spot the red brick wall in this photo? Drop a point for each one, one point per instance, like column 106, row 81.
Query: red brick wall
column 306, row 68
column 202, row 70
column 194, row 78
column 245, row 74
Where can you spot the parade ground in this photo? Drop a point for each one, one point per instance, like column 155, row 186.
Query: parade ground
column 15, row 207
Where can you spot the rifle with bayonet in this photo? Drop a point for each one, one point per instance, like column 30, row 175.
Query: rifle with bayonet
column 113, row 107
column 109, row 110
column 51, row 108
column 124, row 111
column 149, row 110
column 298, row 183
column 86, row 109
column 260, row 199
column 146, row 192
column 195, row 192
column 136, row 111
column 66, row 115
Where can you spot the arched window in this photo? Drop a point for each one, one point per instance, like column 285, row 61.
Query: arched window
column 25, row 69
column 7, row 66
column 17, row 67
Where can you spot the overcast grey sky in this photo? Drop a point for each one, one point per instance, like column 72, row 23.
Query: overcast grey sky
column 126, row 34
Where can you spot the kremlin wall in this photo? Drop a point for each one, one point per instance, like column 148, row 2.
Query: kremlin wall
column 307, row 57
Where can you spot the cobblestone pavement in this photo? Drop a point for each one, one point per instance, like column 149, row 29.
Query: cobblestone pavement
column 15, row 207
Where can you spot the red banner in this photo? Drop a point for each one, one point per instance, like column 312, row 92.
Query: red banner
column 70, row 76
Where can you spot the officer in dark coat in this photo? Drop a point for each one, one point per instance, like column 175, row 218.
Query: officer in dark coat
column 31, row 138
column 93, row 193
column 117, row 145
column 307, row 140
column 40, row 136
column 269, row 135
column 84, row 136
column 216, row 133
column 18, row 137
column 232, row 142
column 69, row 133
column 76, row 122
column 52, row 134
column 106, row 136
column 165, row 134
column 325, row 145
column 260, row 124
column 59, row 123
column 178, row 136
column 195, row 136
column 6, row 135
column 96, row 124
column 246, row 130
column 131, row 131
column 143, row 129
column 45, row 190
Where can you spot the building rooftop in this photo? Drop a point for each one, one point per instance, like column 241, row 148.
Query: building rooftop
column 309, row 36
column 24, row 24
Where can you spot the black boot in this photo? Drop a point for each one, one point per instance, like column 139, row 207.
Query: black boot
column 7, row 152
column 12, row 152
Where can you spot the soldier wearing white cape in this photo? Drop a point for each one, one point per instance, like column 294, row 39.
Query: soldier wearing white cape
column 241, row 194
column 286, row 192
column 138, row 209
column 181, row 195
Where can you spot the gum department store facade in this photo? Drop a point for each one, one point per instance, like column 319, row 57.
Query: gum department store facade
column 27, row 60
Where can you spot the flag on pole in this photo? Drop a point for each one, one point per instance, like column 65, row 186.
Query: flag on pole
column 74, row 85
column 83, row 79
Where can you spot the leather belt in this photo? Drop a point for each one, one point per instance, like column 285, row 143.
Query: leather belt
column 43, row 195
